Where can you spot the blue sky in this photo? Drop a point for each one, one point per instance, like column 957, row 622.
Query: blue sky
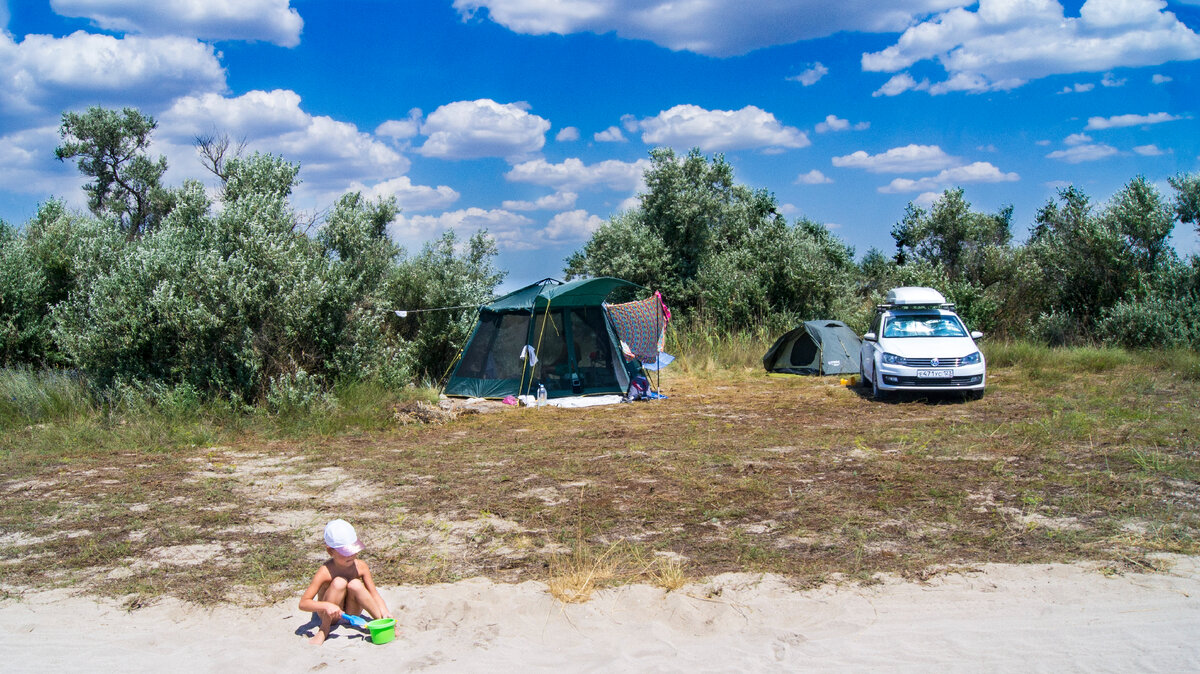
column 534, row 118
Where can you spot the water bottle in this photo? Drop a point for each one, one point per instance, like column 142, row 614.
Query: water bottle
column 541, row 395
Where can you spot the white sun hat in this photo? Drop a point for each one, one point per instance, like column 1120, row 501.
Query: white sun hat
column 340, row 536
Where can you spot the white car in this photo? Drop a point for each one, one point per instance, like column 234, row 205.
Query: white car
column 917, row 343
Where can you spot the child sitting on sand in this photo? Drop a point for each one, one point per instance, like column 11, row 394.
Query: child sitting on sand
column 343, row 584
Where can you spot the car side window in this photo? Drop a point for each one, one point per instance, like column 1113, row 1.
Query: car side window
column 875, row 322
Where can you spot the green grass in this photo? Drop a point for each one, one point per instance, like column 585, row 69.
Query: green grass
column 734, row 471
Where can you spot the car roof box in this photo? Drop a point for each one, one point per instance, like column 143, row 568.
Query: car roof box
column 915, row 296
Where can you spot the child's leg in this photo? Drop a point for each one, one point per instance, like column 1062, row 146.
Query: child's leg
column 360, row 596
column 335, row 593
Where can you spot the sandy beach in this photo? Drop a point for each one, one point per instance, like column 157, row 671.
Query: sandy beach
column 1041, row 618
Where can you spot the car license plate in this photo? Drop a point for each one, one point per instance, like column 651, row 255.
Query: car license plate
column 935, row 374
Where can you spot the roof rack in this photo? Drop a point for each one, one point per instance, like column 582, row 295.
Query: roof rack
column 949, row 306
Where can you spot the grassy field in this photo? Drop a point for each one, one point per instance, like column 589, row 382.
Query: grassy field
column 1072, row 454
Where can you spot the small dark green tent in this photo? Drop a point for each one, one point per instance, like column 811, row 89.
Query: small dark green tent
column 576, row 345
column 815, row 347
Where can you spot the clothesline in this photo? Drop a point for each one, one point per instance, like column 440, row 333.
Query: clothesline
column 404, row 312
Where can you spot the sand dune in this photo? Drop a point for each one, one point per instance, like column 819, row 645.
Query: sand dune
column 1047, row 618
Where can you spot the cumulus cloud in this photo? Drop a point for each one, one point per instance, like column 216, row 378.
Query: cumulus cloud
column 1148, row 150
column 1161, row 79
column 401, row 129
column 409, row 197
column 978, row 172
column 1112, row 82
column 267, row 20
column 44, row 74
column 482, row 128
column 507, row 228
column 572, row 174
column 550, row 202
column 331, row 153
column 715, row 130
column 907, row 159
column 567, row 134
column 1004, row 43
column 575, row 225
column 833, row 123
column 1080, row 153
column 811, row 75
column 1078, row 88
column 1077, row 139
column 610, row 135
column 1099, row 123
column 813, row 177
column 27, row 165
column 710, row 28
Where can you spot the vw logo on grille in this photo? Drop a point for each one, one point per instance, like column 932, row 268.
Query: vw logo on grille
column 934, row 362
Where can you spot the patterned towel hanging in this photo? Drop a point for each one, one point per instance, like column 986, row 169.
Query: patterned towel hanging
column 641, row 327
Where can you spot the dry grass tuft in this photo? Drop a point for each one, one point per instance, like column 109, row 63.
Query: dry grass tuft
column 421, row 412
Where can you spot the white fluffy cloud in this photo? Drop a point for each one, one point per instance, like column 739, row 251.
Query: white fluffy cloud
column 811, row 75
column 703, row 26
column 690, row 126
column 1005, row 43
column 1100, row 123
column 813, row 177
column 573, row 174
column 610, row 135
column 482, row 128
column 567, row 134
column 833, row 123
column 575, row 225
column 978, row 172
column 44, row 74
column 409, row 197
column 266, row 20
column 907, row 159
column 331, row 153
column 550, row 202
column 1148, row 150
column 401, row 129
column 1076, row 154
column 506, row 227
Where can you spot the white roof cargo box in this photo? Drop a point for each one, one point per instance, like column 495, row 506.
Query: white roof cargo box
column 912, row 295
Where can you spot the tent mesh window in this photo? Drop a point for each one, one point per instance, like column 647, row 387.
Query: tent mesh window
column 495, row 352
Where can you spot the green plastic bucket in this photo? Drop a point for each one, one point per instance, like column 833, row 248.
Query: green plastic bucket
column 382, row 630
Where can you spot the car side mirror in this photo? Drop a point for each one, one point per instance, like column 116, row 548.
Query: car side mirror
column 975, row 334
column 870, row 337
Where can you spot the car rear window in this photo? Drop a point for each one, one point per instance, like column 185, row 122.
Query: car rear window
column 924, row 325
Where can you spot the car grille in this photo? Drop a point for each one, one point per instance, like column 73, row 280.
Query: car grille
column 922, row 381
column 928, row 362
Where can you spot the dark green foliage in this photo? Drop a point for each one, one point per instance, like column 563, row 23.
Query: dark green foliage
column 237, row 302
column 441, row 277
column 719, row 249
column 111, row 149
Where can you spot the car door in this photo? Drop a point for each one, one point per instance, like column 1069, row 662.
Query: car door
column 869, row 348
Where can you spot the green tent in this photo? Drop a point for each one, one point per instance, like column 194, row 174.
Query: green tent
column 815, row 347
column 576, row 346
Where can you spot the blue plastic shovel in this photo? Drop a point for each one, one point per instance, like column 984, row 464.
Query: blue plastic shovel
column 356, row 620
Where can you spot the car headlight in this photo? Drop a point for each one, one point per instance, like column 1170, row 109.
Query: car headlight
column 972, row 359
column 892, row 359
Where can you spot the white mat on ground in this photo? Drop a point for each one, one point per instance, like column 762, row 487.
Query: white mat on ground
column 574, row 401
column 1039, row 618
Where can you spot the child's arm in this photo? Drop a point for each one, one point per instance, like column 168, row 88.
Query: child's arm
column 309, row 602
column 369, row 582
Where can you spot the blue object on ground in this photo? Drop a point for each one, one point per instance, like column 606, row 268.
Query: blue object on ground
column 664, row 359
column 356, row 620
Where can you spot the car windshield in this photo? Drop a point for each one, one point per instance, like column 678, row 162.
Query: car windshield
column 924, row 325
